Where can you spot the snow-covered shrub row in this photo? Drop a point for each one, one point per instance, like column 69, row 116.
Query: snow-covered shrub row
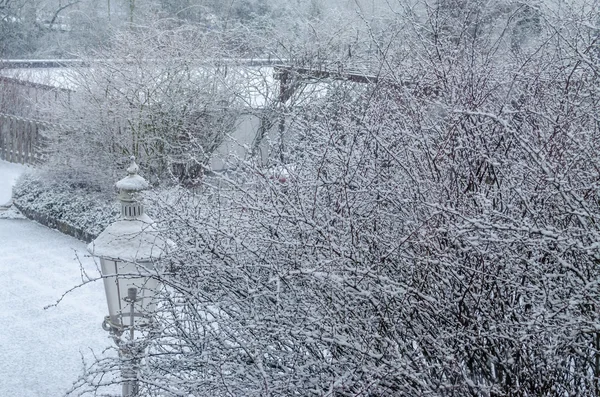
column 436, row 234
column 76, row 204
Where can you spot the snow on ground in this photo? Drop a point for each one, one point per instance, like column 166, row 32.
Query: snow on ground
column 9, row 173
column 41, row 349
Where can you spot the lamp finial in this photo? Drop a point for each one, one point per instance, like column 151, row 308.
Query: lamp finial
column 133, row 167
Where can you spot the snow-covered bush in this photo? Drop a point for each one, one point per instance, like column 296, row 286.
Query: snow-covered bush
column 436, row 235
column 152, row 92
column 70, row 201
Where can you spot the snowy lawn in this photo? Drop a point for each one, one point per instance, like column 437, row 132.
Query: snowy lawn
column 41, row 349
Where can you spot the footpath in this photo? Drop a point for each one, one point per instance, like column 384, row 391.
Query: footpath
column 42, row 350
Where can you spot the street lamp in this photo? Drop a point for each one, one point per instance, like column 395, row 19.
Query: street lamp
column 128, row 249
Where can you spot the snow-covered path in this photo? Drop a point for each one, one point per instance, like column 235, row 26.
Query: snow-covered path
column 8, row 175
column 41, row 349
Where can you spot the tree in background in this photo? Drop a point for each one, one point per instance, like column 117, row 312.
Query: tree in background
column 17, row 28
column 63, row 28
column 168, row 91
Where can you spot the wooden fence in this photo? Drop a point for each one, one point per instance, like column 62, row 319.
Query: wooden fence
column 21, row 137
column 25, row 98
column 21, row 140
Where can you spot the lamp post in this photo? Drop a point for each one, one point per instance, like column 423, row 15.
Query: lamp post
column 128, row 249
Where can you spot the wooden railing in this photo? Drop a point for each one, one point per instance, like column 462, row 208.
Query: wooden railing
column 21, row 140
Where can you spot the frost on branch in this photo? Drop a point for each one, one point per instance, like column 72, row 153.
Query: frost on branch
column 437, row 233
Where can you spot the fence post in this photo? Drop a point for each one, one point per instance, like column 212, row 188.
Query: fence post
column 36, row 145
column 2, row 137
column 22, row 133
column 27, row 144
column 19, row 133
column 11, row 143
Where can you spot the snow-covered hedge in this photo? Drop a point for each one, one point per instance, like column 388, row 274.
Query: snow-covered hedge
column 74, row 208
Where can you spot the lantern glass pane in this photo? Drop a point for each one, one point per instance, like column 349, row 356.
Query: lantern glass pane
column 119, row 276
column 109, row 269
